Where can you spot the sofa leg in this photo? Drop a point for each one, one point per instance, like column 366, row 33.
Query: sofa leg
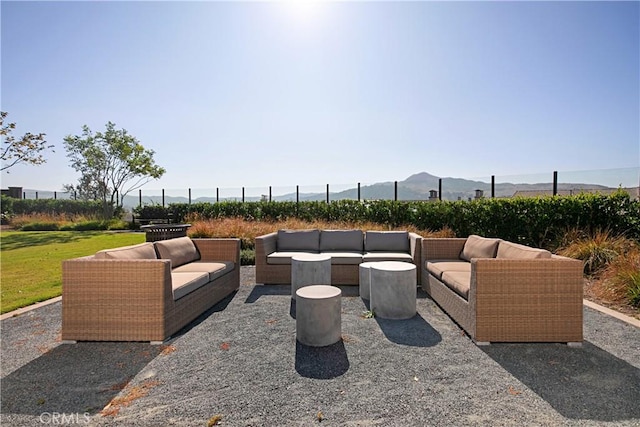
column 156, row 342
column 68, row 342
column 482, row 343
column 577, row 344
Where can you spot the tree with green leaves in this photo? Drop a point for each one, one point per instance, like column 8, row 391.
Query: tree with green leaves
column 27, row 149
column 111, row 165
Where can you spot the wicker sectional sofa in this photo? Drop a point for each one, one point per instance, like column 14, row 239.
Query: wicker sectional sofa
column 499, row 291
column 146, row 292
column 348, row 248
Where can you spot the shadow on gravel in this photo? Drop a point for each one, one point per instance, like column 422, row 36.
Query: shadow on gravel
column 415, row 332
column 280, row 290
column 585, row 383
column 74, row 378
column 322, row 363
column 220, row 306
column 267, row 290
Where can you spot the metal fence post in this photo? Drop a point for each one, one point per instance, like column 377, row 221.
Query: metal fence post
column 163, row 197
column 327, row 193
column 493, row 186
column 440, row 189
column 189, row 196
column 358, row 191
column 555, row 183
column 395, row 191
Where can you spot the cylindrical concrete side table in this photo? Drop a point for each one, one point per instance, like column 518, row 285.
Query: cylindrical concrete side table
column 365, row 279
column 309, row 269
column 318, row 315
column 393, row 289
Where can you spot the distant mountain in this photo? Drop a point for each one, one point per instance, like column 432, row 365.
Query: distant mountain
column 415, row 187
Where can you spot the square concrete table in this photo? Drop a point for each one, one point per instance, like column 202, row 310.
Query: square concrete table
column 309, row 269
column 393, row 289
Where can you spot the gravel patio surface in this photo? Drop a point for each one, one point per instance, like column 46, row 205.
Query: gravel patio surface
column 240, row 362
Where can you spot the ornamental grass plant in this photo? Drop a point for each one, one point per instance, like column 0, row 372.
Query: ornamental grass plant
column 612, row 265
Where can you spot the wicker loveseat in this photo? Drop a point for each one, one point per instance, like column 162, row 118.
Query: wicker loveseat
column 146, row 292
column 347, row 248
column 499, row 291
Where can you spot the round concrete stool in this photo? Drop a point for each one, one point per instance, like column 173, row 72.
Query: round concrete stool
column 309, row 269
column 393, row 289
column 318, row 315
column 365, row 279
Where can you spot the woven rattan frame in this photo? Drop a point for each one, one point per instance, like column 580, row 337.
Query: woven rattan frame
column 132, row 300
column 511, row 300
column 340, row 274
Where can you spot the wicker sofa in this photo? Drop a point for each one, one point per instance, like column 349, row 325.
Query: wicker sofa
column 348, row 248
column 146, row 292
column 499, row 291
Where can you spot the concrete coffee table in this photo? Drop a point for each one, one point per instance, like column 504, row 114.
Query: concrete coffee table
column 393, row 289
column 318, row 315
column 309, row 269
column 364, row 280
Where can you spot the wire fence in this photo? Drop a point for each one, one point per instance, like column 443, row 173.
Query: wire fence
column 417, row 187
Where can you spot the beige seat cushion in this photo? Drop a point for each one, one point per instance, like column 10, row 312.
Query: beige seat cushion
column 344, row 257
column 341, row 240
column 184, row 283
column 508, row 250
column 298, row 240
column 283, row 258
column 436, row 267
column 479, row 247
column 180, row 250
column 386, row 256
column 141, row 251
column 386, row 241
column 213, row 269
column 459, row 281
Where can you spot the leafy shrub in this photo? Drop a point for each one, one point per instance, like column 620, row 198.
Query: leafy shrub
column 86, row 226
column 247, row 257
column 40, row 226
column 51, row 206
column 539, row 222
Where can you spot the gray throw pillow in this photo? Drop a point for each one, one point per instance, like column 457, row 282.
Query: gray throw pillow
column 298, row 240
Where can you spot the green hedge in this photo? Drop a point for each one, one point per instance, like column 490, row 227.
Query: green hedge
column 533, row 221
column 11, row 206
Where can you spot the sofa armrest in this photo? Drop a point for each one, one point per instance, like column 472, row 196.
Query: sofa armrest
column 218, row 249
column 265, row 245
column 441, row 248
column 109, row 299
column 527, row 299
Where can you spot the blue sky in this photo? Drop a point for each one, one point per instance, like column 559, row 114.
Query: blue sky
column 232, row 94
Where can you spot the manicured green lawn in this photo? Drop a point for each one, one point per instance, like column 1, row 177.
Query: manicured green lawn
column 31, row 262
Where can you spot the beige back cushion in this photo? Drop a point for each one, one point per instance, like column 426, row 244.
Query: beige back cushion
column 510, row 250
column 298, row 240
column 386, row 241
column 141, row 251
column 479, row 247
column 341, row 240
column 180, row 250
